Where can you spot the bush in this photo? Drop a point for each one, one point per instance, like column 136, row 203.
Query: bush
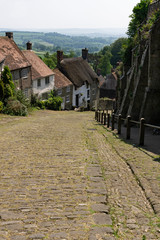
column 8, row 91
column 1, row 90
column 22, row 98
column 15, row 107
column 53, row 103
column 40, row 104
column 1, row 106
column 33, row 100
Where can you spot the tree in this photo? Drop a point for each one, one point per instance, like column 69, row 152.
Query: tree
column 137, row 17
column 1, row 90
column 9, row 88
column 104, row 64
column 117, row 49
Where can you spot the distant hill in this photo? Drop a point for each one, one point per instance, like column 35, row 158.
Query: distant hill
column 52, row 41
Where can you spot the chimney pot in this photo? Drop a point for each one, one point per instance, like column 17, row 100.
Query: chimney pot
column 29, row 45
column 9, row 35
column 59, row 58
column 84, row 53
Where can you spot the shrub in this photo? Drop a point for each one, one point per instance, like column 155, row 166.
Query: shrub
column 53, row 103
column 33, row 100
column 40, row 104
column 22, row 98
column 8, row 91
column 6, row 75
column 15, row 107
column 1, row 90
column 1, row 106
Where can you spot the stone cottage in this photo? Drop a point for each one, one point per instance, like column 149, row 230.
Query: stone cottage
column 85, row 80
column 42, row 76
column 64, row 89
column 19, row 66
column 108, row 86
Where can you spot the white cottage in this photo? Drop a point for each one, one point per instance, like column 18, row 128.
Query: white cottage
column 85, row 80
column 42, row 75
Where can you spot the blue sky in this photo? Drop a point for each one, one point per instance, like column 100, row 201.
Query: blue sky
column 51, row 14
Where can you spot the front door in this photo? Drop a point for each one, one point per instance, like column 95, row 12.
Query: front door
column 77, row 100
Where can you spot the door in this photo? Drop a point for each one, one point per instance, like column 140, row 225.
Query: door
column 77, row 100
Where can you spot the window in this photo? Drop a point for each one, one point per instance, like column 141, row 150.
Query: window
column 59, row 91
column 68, row 88
column 47, row 80
column 87, row 84
column 67, row 99
column 88, row 94
column 38, row 82
column 24, row 73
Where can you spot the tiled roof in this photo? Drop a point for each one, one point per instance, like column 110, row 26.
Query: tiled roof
column 39, row 68
column 78, row 71
column 13, row 56
column 60, row 79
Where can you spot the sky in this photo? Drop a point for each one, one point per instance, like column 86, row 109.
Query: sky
column 52, row 14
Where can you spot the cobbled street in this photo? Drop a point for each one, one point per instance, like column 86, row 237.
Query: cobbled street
column 63, row 176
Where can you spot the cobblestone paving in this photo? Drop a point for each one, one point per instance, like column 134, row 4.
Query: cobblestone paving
column 60, row 179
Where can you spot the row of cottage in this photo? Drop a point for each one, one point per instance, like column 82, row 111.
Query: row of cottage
column 73, row 79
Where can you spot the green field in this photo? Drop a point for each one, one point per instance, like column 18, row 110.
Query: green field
column 51, row 42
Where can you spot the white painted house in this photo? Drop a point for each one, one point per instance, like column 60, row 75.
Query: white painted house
column 85, row 80
column 81, row 95
column 42, row 75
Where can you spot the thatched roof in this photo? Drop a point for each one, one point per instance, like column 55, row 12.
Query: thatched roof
column 78, row 71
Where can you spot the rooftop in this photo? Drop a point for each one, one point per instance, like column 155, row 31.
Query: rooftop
column 60, row 79
column 39, row 68
column 78, row 71
column 13, row 56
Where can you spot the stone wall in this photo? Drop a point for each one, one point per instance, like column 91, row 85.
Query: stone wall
column 141, row 91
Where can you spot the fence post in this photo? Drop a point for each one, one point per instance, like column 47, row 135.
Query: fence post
column 98, row 116
column 113, row 121
column 104, row 118
column 142, row 132
column 95, row 114
column 108, row 122
column 119, row 123
column 128, row 127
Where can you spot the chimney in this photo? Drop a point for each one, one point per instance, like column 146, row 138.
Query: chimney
column 84, row 53
column 29, row 45
column 59, row 58
column 98, row 71
column 9, row 35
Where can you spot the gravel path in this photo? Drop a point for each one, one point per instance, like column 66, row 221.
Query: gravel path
column 61, row 179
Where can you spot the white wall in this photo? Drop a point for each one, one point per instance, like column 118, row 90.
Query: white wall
column 44, row 88
column 82, row 91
